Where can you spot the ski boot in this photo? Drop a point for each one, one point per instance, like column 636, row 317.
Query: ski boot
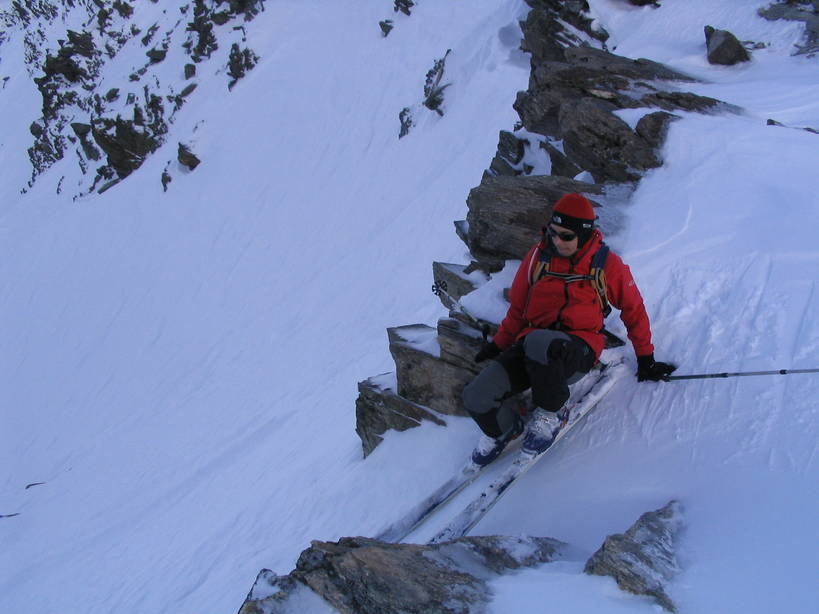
column 489, row 448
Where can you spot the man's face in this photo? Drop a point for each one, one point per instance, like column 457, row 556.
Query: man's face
column 564, row 240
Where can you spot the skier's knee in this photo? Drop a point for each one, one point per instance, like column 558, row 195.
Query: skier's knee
column 538, row 344
column 487, row 390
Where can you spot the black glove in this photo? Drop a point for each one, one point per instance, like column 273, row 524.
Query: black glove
column 649, row 369
column 488, row 350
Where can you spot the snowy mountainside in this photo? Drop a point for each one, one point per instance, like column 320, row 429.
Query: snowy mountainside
column 178, row 368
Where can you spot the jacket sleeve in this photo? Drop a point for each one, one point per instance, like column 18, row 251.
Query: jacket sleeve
column 514, row 322
column 624, row 295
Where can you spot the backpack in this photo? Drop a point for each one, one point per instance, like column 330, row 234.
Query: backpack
column 596, row 276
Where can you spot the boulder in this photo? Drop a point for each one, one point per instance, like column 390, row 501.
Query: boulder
column 545, row 34
column 186, row 157
column 358, row 574
column 653, row 127
column 603, row 144
column 573, row 99
column 506, row 214
column 643, row 559
column 125, row 143
column 459, row 343
column 423, row 377
column 724, row 48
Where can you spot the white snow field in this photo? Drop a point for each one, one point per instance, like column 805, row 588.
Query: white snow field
column 179, row 369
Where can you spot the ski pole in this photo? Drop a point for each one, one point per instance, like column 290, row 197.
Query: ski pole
column 740, row 374
column 439, row 289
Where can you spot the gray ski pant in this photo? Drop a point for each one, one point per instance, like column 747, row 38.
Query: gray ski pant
column 539, row 361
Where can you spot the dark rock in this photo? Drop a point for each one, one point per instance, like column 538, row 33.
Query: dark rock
column 187, row 90
column 36, row 129
column 573, row 100
column 685, row 101
column 423, row 377
column 190, row 71
column 653, row 3
column 64, row 66
column 378, row 409
column 561, row 165
column 506, row 214
column 509, row 155
column 220, row 18
column 239, row 62
column 186, row 157
column 604, row 144
column 123, row 8
column 386, row 26
column 149, row 35
column 433, row 90
column 724, row 48
column 459, row 342
column 202, row 41
column 643, row 560
column 125, row 144
column 360, row 575
column 545, row 35
column 654, row 127
column 405, row 117
column 112, row 94
column 165, row 179
column 81, row 43
column 156, row 55
column 80, row 129
column 404, row 6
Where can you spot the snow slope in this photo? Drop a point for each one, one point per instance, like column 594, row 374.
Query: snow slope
column 179, row 369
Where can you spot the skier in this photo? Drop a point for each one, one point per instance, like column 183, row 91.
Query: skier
column 551, row 335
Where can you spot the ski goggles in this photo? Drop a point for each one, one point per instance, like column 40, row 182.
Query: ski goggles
column 559, row 234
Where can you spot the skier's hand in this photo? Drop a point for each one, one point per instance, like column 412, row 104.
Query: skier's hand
column 649, row 369
column 487, row 351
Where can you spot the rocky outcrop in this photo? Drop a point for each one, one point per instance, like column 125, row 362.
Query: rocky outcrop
column 506, row 214
column 357, row 575
column 67, row 71
column 643, row 559
column 433, row 96
column 724, row 48
column 572, row 100
column 570, row 123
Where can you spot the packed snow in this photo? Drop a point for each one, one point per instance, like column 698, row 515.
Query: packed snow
column 179, row 369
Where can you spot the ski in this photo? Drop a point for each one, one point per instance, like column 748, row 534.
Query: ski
column 601, row 382
column 437, row 499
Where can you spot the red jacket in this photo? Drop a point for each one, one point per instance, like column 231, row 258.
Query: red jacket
column 574, row 305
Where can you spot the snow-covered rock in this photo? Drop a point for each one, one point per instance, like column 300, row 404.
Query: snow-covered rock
column 643, row 559
column 357, row 575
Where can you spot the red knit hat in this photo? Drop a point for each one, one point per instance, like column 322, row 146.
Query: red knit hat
column 575, row 212
column 575, row 205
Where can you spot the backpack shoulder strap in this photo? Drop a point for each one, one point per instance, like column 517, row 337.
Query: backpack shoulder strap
column 541, row 266
column 598, row 277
